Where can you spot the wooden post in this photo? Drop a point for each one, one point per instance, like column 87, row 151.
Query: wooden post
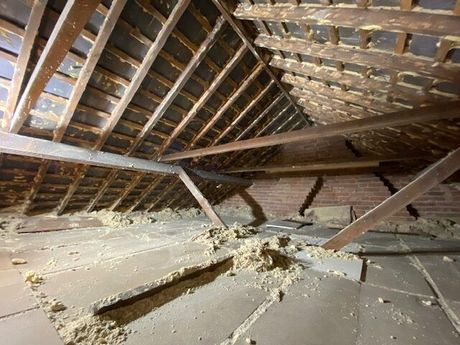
column 205, row 205
column 428, row 179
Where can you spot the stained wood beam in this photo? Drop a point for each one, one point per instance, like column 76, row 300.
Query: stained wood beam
column 16, row 144
column 424, row 23
column 337, row 165
column 367, row 57
column 179, row 84
column 329, row 74
column 200, row 198
column 22, row 61
column 70, row 24
column 129, row 93
column 78, row 89
column 231, row 64
column 431, row 113
column 223, row 7
column 428, row 179
column 235, row 95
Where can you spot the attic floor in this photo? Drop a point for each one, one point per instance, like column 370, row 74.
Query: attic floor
column 419, row 289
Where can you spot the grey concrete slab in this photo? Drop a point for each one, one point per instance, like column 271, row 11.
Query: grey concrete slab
column 455, row 307
column 15, row 295
column 207, row 316
column 402, row 320
column 396, row 272
column 446, row 275
column 31, row 327
column 313, row 312
column 82, row 286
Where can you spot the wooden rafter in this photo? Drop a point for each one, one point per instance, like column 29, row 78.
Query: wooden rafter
column 78, row 89
column 231, row 64
column 366, row 57
column 361, row 18
column 129, row 93
column 428, row 179
column 400, row 118
column 239, row 29
column 22, row 61
column 70, row 24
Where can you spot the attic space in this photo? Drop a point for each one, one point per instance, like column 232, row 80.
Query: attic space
column 230, row 172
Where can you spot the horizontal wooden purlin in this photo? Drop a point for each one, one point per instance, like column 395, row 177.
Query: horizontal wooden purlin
column 337, row 165
column 431, row 113
column 366, row 57
column 352, row 79
column 16, row 144
column 206, row 175
column 433, row 24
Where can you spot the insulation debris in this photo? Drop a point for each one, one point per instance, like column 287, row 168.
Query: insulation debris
column 439, row 228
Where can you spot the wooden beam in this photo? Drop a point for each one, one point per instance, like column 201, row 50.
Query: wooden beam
column 235, row 95
column 423, row 23
column 179, row 84
column 329, row 74
column 331, row 165
column 246, row 110
column 314, row 88
column 406, row 117
column 78, row 89
column 428, row 179
column 204, row 203
column 16, row 144
column 22, row 61
column 231, row 64
column 239, row 29
column 70, row 24
column 130, row 91
column 367, row 57
column 88, row 67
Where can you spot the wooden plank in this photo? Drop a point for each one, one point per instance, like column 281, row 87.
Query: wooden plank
column 223, row 7
column 204, row 203
column 179, row 84
column 70, row 24
column 45, row 224
column 425, row 23
column 431, row 113
column 27, row 44
column 367, row 57
column 231, row 64
column 428, row 179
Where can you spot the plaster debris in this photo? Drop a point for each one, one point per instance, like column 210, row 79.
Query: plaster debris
column 33, row 278
column 18, row 261
column 428, row 302
column 55, row 306
column 447, row 259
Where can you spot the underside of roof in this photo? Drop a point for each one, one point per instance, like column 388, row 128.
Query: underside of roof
column 147, row 79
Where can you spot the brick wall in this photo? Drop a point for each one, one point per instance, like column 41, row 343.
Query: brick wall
column 283, row 196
